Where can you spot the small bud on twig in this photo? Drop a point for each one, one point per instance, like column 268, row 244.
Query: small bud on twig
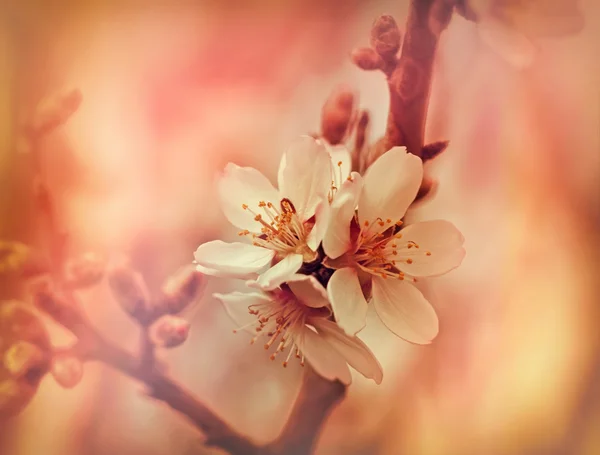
column 13, row 256
column 385, row 37
column 169, row 331
column 337, row 114
column 84, row 271
column 180, row 290
column 67, row 370
column 367, row 59
column 130, row 291
column 26, row 360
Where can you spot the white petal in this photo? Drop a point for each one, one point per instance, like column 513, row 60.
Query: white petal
column 341, row 163
column 244, row 185
column 404, row 310
column 347, row 300
column 317, row 232
column 439, row 238
column 234, row 260
column 236, row 304
column 308, row 290
column 305, row 175
column 279, row 273
column 513, row 46
column 220, row 274
column 326, row 361
column 337, row 239
column 390, row 185
column 356, row 353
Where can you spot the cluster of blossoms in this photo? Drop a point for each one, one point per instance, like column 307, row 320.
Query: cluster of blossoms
column 324, row 246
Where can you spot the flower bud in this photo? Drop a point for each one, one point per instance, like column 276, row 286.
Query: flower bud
column 129, row 290
column 67, row 370
column 24, row 344
column 54, row 111
column 25, row 360
column 85, row 271
column 13, row 256
column 19, row 323
column 180, row 290
column 366, row 58
column 336, row 115
column 385, row 37
column 169, row 331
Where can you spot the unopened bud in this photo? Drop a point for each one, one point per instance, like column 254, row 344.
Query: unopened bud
column 366, row 58
column 13, row 256
column 67, row 370
column 385, row 37
column 180, row 290
column 19, row 323
column 169, row 331
column 129, row 290
column 25, row 360
column 336, row 115
column 54, row 111
column 84, row 271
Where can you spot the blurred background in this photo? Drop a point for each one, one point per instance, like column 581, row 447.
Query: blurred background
column 172, row 91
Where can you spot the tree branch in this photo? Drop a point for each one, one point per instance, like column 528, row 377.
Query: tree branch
column 410, row 81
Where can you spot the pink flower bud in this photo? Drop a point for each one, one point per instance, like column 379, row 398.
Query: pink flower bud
column 25, row 360
column 169, row 331
column 180, row 290
column 336, row 115
column 67, row 370
column 385, row 37
column 129, row 290
column 367, row 59
column 84, row 271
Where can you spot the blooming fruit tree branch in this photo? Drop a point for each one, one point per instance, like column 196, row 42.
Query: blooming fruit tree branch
column 316, row 250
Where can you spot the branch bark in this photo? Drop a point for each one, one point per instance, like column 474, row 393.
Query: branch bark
column 409, row 82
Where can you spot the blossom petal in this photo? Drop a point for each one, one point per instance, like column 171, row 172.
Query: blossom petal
column 236, row 304
column 337, row 239
column 439, row 248
column 234, row 260
column 347, row 300
column 317, row 232
column 305, row 175
column 341, row 163
column 404, row 310
column 279, row 273
column 244, row 185
column 356, row 353
column 308, row 290
column 326, row 360
column 390, row 186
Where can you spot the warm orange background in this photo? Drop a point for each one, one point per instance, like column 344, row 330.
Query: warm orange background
column 175, row 90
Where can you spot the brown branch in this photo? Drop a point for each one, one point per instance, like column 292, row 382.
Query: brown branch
column 317, row 397
column 410, row 81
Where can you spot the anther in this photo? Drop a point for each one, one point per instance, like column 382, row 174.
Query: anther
column 244, row 206
column 409, row 261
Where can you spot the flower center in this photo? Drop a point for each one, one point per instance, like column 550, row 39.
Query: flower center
column 380, row 253
column 280, row 320
column 281, row 229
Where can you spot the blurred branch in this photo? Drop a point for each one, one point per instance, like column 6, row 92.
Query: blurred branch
column 316, row 399
column 317, row 396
